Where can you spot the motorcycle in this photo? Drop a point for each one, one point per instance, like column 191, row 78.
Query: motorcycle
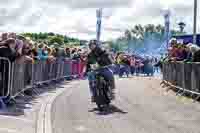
column 102, row 89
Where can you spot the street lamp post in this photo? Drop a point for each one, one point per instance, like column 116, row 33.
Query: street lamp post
column 98, row 29
column 167, row 26
column 195, row 23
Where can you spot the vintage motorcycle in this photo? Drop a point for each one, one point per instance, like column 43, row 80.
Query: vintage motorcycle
column 102, row 89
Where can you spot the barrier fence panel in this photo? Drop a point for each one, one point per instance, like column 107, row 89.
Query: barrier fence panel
column 5, row 76
column 179, row 74
column 21, row 78
column 67, row 68
column 188, row 71
column 195, row 77
column 164, row 68
column 25, row 75
column 75, row 67
column 16, row 77
column 168, row 71
column 183, row 75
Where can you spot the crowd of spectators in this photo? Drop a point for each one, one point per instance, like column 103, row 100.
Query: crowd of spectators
column 179, row 51
column 133, row 64
column 21, row 49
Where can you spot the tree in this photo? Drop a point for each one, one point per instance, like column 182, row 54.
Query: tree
column 142, row 38
column 66, row 39
column 138, row 32
column 114, row 46
column 56, row 39
column 128, row 35
column 51, row 34
column 51, row 38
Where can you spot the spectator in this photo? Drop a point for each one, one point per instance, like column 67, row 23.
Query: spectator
column 173, row 52
column 181, row 53
column 49, row 51
column 34, row 54
column 187, row 54
column 7, row 51
column 195, row 50
column 45, row 51
column 12, row 35
column 173, row 42
column 26, row 53
column 4, row 37
column 56, row 52
column 75, row 55
column 124, row 66
column 67, row 52
column 42, row 55
column 132, row 64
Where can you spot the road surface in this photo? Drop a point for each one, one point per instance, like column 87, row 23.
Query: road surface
column 141, row 106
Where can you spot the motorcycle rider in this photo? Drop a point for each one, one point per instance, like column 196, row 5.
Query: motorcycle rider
column 102, row 58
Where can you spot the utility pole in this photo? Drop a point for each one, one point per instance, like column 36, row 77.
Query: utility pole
column 98, row 29
column 167, row 26
column 195, row 23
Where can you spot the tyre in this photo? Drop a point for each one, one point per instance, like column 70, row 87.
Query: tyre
column 100, row 108
column 101, row 93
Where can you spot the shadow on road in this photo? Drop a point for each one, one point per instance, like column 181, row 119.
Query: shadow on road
column 110, row 110
column 29, row 99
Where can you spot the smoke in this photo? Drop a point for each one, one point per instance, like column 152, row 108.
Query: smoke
column 150, row 48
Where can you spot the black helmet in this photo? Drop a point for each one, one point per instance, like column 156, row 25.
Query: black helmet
column 93, row 42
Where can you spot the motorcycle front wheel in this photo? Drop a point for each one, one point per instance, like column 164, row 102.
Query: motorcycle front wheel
column 100, row 107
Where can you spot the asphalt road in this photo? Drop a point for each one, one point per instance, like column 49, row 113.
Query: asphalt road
column 141, row 106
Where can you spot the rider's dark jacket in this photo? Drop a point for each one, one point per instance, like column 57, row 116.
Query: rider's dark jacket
column 102, row 58
column 98, row 56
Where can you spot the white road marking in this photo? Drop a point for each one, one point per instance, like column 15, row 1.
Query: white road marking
column 81, row 128
column 15, row 118
column 3, row 130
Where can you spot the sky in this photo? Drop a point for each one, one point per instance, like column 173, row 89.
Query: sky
column 77, row 18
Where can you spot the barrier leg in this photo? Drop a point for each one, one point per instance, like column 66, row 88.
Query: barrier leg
column 191, row 95
column 178, row 93
column 36, row 91
column 25, row 96
column 12, row 101
column 181, row 94
column 2, row 104
column 197, row 98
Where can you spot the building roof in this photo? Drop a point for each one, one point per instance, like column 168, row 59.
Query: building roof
column 188, row 38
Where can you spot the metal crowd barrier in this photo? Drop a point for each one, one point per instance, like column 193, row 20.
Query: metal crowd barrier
column 16, row 78
column 5, row 77
column 184, row 76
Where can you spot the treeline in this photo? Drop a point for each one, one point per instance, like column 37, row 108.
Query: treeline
column 142, row 38
column 53, row 39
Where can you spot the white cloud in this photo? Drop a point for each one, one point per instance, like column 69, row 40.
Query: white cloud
column 78, row 18
column 91, row 3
